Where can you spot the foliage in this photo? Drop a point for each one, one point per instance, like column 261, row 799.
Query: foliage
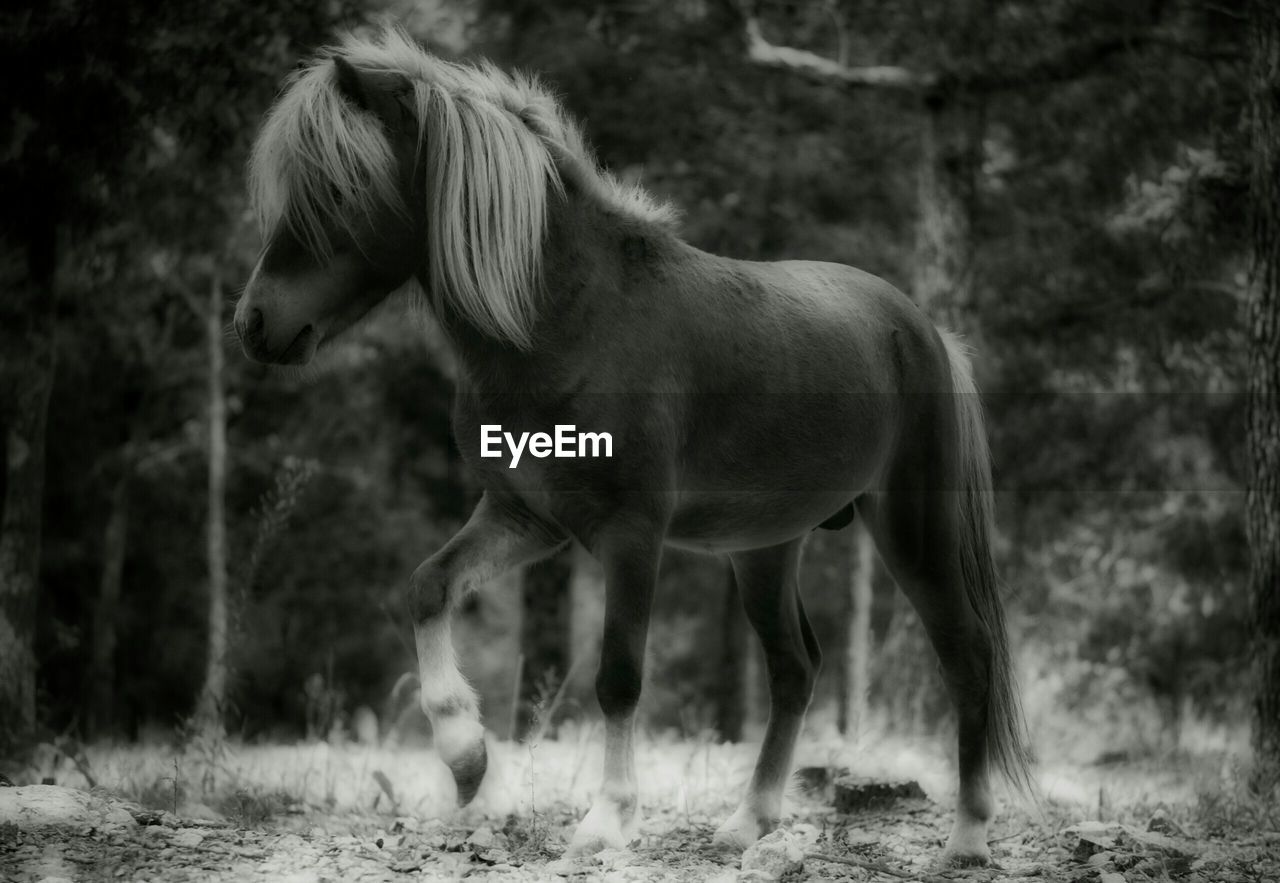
column 1109, row 281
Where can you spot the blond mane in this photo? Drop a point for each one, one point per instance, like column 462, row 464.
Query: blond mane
column 491, row 143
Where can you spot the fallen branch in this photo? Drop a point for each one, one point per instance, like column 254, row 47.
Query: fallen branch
column 876, row 867
column 1070, row 60
column 802, row 61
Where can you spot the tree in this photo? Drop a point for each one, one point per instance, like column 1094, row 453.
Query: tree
column 93, row 84
column 545, row 635
column 26, row 379
column 1263, row 506
column 61, row 94
column 213, row 695
column 951, row 92
column 851, row 717
column 731, row 695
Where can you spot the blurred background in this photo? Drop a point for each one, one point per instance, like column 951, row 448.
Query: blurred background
column 200, row 538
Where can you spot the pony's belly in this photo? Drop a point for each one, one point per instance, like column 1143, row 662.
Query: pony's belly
column 733, row 521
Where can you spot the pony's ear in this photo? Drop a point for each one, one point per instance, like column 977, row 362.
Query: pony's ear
column 379, row 93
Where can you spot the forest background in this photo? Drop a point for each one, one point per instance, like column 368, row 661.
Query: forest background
column 1065, row 182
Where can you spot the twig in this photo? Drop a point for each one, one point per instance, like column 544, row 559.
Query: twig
column 1007, row 837
column 515, row 699
column 877, row 867
column 545, row 723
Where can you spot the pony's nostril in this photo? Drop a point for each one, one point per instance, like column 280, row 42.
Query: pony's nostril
column 256, row 321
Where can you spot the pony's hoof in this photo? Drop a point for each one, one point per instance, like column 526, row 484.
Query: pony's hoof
column 602, row 829
column 967, row 850
column 741, row 830
column 957, row 859
column 583, row 845
column 468, row 771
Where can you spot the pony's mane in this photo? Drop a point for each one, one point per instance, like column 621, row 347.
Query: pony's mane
column 493, row 144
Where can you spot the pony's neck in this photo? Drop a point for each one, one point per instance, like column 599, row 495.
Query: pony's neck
column 580, row 280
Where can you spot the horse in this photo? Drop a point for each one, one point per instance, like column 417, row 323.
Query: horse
column 746, row 403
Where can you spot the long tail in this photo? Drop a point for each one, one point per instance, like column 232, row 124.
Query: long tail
column 1007, row 741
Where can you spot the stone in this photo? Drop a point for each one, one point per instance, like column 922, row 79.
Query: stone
column 40, row 806
column 856, row 794
column 481, row 838
column 187, row 838
column 777, row 854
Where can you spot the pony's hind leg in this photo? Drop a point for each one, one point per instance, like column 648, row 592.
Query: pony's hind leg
column 492, row 542
column 918, row 538
column 768, row 580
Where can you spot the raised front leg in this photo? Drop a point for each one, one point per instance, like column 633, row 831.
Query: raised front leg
column 769, row 582
column 630, row 560
column 493, row 541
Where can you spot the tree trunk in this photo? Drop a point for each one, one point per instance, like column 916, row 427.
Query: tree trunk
column 102, row 676
column 1263, row 441
column 544, row 637
column 731, row 693
column 27, row 362
column 852, row 719
column 942, row 267
column 213, row 696
column 586, row 621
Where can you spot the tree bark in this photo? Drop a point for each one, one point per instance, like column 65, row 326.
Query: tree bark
column 27, row 363
column 586, row 620
column 213, row 696
column 544, row 637
column 1263, row 433
column 731, row 693
column 102, row 675
column 942, row 267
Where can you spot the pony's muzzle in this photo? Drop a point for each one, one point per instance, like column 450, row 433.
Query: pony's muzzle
column 251, row 328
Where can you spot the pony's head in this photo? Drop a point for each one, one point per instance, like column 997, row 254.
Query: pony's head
column 328, row 179
column 380, row 163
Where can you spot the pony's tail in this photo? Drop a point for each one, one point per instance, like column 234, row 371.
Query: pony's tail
column 1007, row 741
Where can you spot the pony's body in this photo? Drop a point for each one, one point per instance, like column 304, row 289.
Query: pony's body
column 748, row 402
column 725, row 438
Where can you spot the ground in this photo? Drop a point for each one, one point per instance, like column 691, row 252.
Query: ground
column 318, row 812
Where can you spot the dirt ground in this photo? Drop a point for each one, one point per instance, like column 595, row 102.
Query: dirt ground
column 1097, row 829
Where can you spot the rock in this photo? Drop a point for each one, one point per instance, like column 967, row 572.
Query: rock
column 776, row 854
column 494, row 856
column 817, row 780
column 562, row 867
column 1153, row 841
column 1100, row 837
column 187, row 838
column 1162, row 824
column 857, row 794
column 481, row 838
column 40, row 806
column 1092, row 843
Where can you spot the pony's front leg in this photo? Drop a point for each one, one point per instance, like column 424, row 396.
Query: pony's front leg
column 630, row 561
column 494, row 540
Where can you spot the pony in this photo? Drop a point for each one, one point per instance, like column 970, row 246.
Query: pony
column 747, row 403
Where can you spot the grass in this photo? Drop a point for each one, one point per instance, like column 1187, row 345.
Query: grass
column 687, row 783
column 394, row 806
